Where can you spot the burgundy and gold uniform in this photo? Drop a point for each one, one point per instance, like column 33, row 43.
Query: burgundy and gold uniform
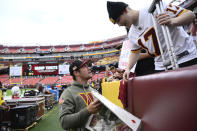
column 143, row 36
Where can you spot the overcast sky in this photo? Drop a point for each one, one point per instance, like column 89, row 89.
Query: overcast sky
column 56, row 22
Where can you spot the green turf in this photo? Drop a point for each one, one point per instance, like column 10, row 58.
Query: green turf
column 8, row 92
column 49, row 121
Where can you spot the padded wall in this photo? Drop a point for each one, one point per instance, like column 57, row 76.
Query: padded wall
column 165, row 101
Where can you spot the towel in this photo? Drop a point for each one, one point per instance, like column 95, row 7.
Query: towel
column 123, row 91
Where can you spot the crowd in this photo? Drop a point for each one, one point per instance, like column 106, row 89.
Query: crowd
column 3, row 107
column 77, row 103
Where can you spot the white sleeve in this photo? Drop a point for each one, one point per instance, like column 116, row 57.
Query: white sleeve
column 194, row 38
column 135, row 47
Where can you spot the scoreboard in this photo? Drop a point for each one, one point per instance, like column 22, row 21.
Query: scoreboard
column 40, row 69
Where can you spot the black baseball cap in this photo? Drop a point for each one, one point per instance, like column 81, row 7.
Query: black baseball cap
column 77, row 64
column 115, row 9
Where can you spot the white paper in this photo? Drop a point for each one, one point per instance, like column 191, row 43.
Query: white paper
column 132, row 121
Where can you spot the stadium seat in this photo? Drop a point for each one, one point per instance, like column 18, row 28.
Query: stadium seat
column 49, row 80
column 31, row 81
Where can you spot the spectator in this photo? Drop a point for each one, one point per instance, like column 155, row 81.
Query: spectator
column 77, row 102
column 118, row 75
column 3, row 104
column 142, row 34
column 108, row 73
column 113, row 69
column 15, row 91
column 145, row 64
column 43, row 89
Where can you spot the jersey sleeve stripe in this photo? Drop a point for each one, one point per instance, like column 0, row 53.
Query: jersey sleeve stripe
column 137, row 50
column 181, row 12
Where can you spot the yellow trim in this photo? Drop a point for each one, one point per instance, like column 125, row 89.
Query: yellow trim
column 29, row 57
column 136, row 51
column 112, row 20
column 1, row 98
column 86, row 94
column 100, row 53
column 183, row 11
column 57, row 56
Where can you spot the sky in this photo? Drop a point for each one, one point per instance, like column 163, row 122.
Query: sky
column 58, row 22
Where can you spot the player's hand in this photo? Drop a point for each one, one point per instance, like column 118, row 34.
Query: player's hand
column 94, row 107
column 126, row 75
column 164, row 19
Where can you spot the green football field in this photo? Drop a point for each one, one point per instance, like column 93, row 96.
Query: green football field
column 49, row 121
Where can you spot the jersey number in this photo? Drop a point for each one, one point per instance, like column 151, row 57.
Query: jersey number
column 174, row 11
column 151, row 35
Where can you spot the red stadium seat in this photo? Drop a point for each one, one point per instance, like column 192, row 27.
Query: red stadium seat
column 49, row 80
column 75, row 48
column 16, row 80
column 65, row 80
column 29, row 50
column 12, row 50
column 59, row 49
column 44, row 48
column 31, row 81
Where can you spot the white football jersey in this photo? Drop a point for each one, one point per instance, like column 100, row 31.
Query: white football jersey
column 143, row 36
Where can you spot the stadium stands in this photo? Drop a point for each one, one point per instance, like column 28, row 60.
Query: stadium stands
column 31, row 81
column 3, row 50
column 89, row 47
column 28, row 50
column 100, row 52
column 16, row 80
column 45, row 48
column 75, row 48
column 65, row 80
column 59, row 49
column 4, row 76
column 49, row 80
column 98, row 76
column 13, row 50
column 62, row 48
column 2, row 79
column 108, row 60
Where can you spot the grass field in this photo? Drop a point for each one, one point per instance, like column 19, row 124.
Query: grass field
column 49, row 122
